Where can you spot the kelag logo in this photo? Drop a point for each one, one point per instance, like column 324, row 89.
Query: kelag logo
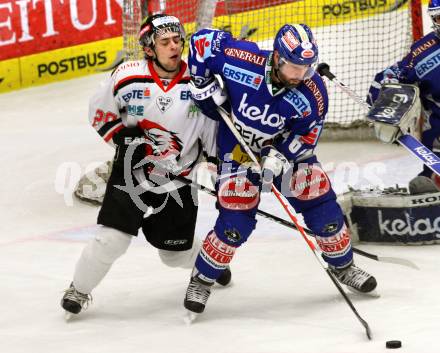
column 72, row 64
column 242, row 76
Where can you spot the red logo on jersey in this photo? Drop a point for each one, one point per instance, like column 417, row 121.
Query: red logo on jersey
column 317, row 94
column 309, row 183
column 238, row 193
column 160, row 142
column 200, row 45
column 312, row 137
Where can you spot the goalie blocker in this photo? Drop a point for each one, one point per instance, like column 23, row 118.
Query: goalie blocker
column 395, row 112
column 392, row 215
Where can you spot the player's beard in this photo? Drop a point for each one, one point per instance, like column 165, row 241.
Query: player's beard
column 282, row 81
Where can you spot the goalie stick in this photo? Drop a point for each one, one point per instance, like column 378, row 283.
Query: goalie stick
column 226, row 118
column 414, row 146
column 267, row 215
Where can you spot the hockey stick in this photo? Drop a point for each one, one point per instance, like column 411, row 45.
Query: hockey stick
column 286, row 206
column 414, row 146
column 119, row 59
column 267, row 215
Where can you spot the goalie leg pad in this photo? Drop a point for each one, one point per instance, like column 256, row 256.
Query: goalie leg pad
column 91, row 187
column 98, row 256
column 395, row 216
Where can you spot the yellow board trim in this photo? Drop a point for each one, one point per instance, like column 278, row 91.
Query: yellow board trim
column 10, row 76
column 59, row 64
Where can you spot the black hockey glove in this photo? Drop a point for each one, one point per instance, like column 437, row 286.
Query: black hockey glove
column 130, row 146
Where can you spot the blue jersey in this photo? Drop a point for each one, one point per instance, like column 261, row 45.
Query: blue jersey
column 421, row 66
column 290, row 119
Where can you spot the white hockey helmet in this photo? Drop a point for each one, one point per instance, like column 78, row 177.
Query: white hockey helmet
column 157, row 25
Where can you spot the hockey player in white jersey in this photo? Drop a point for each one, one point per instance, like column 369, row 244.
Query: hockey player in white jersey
column 146, row 111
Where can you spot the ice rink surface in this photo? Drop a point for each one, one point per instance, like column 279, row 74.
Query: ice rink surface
column 280, row 301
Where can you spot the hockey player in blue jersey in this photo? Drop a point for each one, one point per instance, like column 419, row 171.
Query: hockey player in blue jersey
column 278, row 104
column 421, row 67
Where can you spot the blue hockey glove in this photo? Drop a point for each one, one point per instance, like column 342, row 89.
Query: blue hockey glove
column 209, row 97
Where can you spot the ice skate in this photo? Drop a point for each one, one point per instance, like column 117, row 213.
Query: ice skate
column 225, row 277
column 73, row 301
column 356, row 279
column 197, row 295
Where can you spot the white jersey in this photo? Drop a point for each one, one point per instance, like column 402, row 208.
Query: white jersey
column 135, row 95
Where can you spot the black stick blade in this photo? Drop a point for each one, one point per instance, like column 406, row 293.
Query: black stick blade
column 324, row 70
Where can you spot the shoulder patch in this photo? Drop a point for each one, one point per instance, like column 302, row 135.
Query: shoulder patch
column 202, row 43
column 299, row 102
column 313, row 87
column 424, row 46
column 245, row 55
column 428, row 64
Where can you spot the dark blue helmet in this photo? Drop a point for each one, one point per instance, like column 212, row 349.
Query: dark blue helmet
column 434, row 12
column 296, row 44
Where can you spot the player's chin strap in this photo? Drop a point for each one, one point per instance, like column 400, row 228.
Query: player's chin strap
column 157, row 62
column 415, row 147
column 226, row 118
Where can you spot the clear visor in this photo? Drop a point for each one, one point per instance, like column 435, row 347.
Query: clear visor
column 294, row 71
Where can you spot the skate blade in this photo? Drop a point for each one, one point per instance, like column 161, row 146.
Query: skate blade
column 373, row 294
column 190, row 317
column 68, row 316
